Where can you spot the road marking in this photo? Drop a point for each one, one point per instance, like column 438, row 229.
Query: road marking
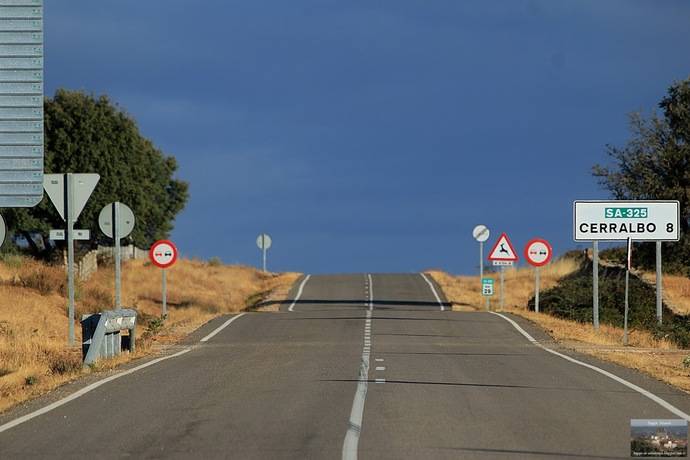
column 433, row 289
column 671, row 408
column 351, row 442
column 299, row 292
column 85, row 390
column 221, row 327
column 379, row 360
column 380, row 380
column 381, row 368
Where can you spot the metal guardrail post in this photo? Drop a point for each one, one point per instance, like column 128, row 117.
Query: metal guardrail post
column 101, row 334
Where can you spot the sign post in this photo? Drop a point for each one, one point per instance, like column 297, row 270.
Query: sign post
column 163, row 254
column 488, row 291
column 659, row 284
column 627, row 291
column 623, row 220
column 481, row 233
column 504, row 255
column 116, row 221
column 595, row 284
column 264, row 243
column 69, row 194
column 538, row 253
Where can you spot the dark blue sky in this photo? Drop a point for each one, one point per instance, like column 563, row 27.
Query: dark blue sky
column 373, row 136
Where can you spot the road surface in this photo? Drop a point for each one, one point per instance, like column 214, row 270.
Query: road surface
column 367, row 366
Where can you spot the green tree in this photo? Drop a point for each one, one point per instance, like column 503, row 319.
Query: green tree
column 655, row 164
column 87, row 134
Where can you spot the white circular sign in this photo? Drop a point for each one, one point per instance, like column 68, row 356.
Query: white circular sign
column 163, row 254
column 125, row 224
column 481, row 233
column 264, row 241
column 538, row 252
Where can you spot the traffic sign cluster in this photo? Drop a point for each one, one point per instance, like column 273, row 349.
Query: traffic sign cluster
column 538, row 252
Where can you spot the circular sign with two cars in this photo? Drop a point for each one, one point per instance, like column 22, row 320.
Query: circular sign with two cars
column 163, row 254
column 538, row 252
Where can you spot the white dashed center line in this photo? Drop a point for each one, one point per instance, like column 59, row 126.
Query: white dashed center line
column 354, row 430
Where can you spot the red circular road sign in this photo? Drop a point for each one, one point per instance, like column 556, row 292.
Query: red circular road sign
column 163, row 254
column 538, row 252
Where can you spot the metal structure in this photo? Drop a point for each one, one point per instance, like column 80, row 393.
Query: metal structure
column 538, row 252
column 116, row 221
column 21, row 103
column 481, row 234
column 264, row 243
column 620, row 220
column 69, row 194
column 163, row 254
column 102, row 336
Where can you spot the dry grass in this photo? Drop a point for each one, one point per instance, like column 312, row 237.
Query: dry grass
column 465, row 291
column 676, row 291
column 659, row 358
column 34, row 357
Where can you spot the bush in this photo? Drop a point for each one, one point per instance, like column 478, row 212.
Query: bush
column 572, row 299
column 215, row 262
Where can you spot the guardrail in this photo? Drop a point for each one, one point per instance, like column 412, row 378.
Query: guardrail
column 101, row 333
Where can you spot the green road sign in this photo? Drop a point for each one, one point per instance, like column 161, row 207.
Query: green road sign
column 487, row 287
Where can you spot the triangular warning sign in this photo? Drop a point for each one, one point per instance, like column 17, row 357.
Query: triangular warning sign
column 503, row 250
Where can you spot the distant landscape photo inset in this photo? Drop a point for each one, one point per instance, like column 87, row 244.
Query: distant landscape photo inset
column 658, row 438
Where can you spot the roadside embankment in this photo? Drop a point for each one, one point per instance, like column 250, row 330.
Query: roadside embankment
column 34, row 356
column 566, row 314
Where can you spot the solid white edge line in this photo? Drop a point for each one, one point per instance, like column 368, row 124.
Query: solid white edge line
column 666, row 405
column 371, row 294
column 221, row 327
column 433, row 289
column 85, row 390
column 299, row 293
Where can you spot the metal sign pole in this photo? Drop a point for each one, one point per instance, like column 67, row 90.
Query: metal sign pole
column 165, row 293
column 659, row 284
column 536, row 289
column 481, row 265
column 628, row 265
column 625, row 326
column 118, row 255
column 595, row 284
column 503, row 269
column 69, row 213
column 263, row 250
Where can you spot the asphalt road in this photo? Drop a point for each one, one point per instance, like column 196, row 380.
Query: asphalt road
column 364, row 365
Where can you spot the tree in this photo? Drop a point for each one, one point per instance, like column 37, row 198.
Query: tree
column 655, row 164
column 85, row 134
